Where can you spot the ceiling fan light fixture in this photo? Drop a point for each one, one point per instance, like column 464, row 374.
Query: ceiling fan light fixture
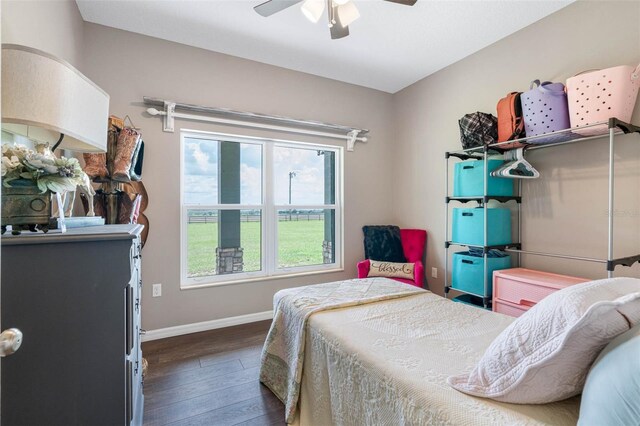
column 313, row 10
column 347, row 13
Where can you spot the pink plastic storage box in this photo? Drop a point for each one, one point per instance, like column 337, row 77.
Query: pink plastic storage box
column 517, row 290
column 599, row 95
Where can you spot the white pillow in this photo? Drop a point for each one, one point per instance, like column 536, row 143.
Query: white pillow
column 545, row 354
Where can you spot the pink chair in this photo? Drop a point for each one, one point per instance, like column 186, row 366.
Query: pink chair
column 413, row 243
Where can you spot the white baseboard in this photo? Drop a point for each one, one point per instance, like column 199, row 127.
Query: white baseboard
column 179, row 330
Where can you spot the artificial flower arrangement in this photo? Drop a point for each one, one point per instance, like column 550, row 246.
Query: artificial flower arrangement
column 40, row 167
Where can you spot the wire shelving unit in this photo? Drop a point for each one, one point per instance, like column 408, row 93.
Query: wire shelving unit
column 611, row 128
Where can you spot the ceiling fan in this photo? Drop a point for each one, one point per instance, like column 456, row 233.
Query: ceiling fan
column 340, row 13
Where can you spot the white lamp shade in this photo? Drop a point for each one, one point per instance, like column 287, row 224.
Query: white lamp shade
column 313, row 9
column 347, row 13
column 341, row 2
column 43, row 96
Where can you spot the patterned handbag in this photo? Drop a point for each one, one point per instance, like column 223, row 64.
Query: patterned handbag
column 478, row 129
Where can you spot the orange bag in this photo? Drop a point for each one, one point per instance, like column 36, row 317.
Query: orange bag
column 510, row 120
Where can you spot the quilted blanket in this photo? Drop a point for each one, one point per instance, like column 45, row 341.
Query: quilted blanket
column 284, row 349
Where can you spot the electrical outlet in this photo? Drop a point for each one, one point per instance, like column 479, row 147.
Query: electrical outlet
column 157, row 290
column 434, row 272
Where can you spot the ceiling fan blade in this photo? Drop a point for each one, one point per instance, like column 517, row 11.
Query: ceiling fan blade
column 270, row 7
column 338, row 31
column 405, row 2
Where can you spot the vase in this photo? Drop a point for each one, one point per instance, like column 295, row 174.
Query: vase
column 25, row 207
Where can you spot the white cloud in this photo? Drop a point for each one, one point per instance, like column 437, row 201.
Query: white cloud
column 200, row 189
column 307, row 186
column 202, row 158
column 251, row 184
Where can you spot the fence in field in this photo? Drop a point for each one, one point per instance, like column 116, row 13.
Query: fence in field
column 293, row 217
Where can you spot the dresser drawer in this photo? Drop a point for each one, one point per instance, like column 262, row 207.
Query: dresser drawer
column 519, row 292
column 509, row 309
column 526, row 287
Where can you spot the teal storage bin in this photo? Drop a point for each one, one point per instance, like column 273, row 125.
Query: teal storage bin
column 468, row 180
column 468, row 226
column 468, row 299
column 467, row 274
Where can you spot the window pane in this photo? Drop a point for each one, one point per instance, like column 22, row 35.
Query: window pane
column 303, row 176
column 223, row 242
column 221, row 172
column 306, row 237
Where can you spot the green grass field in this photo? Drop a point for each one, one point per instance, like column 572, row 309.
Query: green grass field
column 299, row 244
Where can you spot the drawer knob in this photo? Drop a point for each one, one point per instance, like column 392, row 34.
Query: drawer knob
column 10, row 341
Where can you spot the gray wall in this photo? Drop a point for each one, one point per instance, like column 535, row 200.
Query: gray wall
column 54, row 26
column 565, row 211
column 151, row 67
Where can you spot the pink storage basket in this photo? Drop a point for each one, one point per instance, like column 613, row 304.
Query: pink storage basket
column 545, row 110
column 599, row 95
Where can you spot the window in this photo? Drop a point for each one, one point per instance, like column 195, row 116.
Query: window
column 255, row 208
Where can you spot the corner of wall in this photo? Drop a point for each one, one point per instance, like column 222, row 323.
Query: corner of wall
column 55, row 27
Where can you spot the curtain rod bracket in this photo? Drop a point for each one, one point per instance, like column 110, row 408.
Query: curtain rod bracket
column 169, row 110
column 352, row 137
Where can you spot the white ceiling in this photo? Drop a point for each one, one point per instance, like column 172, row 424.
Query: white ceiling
column 390, row 47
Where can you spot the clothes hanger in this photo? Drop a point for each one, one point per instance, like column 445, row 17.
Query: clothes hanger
column 131, row 125
column 516, row 167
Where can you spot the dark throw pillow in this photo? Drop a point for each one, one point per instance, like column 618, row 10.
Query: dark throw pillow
column 382, row 242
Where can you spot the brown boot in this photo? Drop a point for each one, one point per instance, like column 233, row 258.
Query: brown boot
column 95, row 166
column 127, row 206
column 127, row 143
column 99, row 204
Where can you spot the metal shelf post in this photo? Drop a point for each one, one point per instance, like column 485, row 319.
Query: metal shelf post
column 446, row 227
column 485, row 252
column 611, row 187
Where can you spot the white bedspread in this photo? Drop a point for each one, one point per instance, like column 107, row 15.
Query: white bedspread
column 282, row 359
column 386, row 363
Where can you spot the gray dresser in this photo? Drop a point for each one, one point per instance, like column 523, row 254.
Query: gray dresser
column 76, row 298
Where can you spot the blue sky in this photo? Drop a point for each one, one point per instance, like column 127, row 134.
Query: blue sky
column 201, row 171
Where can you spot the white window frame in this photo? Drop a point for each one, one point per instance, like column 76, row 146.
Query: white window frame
column 269, row 213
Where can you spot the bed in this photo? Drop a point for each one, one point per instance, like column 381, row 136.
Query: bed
column 386, row 362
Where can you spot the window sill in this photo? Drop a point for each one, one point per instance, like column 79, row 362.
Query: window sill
column 257, row 279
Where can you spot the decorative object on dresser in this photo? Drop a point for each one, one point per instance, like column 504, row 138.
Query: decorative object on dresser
column 34, row 182
column 517, row 290
column 80, row 362
column 46, row 101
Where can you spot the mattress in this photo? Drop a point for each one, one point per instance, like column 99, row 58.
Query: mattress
column 386, row 363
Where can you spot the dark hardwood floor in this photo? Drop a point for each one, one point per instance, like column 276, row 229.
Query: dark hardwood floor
column 209, row 378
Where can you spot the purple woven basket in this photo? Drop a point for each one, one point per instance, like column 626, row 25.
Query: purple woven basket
column 545, row 109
